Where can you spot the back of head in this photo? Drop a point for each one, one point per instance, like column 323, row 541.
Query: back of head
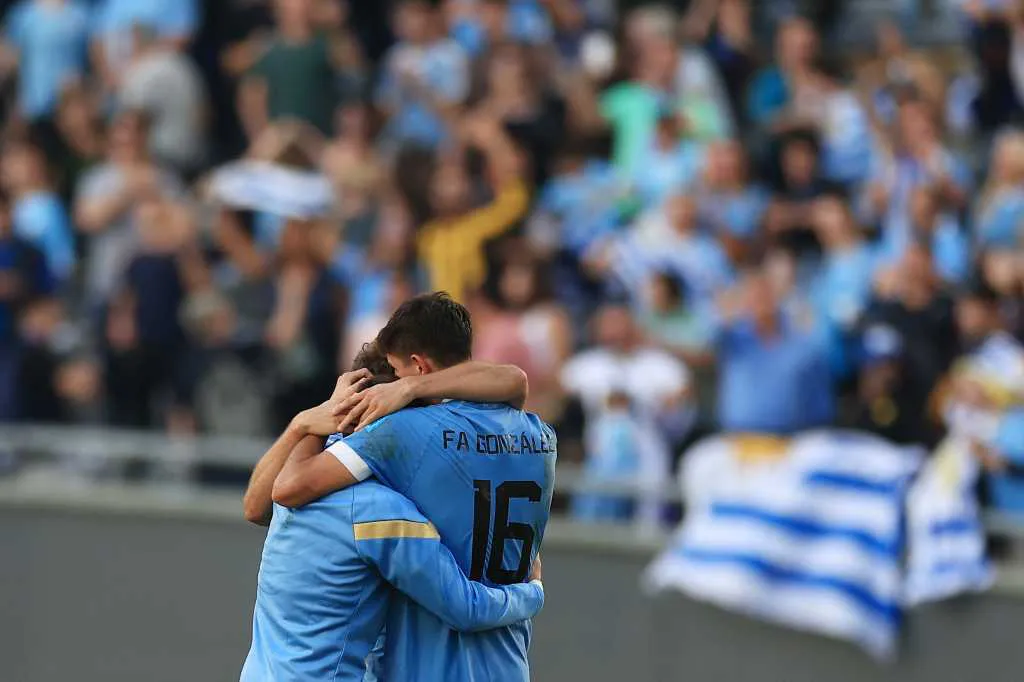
column 432, row 326
column 371, row 358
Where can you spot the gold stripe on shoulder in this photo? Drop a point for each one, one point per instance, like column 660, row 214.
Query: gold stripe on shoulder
column 388, row 530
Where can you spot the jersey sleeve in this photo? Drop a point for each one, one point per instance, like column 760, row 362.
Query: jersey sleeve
column 410, row 556
column 390, row 448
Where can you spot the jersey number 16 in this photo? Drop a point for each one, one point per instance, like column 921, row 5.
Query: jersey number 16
column 502, row 531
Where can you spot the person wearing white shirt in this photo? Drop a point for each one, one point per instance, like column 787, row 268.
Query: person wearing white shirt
column 656, row 383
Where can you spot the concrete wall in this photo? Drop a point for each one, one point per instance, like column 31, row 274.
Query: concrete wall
column 93, row 596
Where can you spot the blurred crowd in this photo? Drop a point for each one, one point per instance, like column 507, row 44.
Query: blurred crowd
column 679, row 218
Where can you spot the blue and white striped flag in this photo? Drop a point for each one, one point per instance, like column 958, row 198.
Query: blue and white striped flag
column 272, row 188
column 945, row 537
column 810, row 538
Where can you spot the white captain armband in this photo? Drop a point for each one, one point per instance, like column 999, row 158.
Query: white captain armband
column 350, row 459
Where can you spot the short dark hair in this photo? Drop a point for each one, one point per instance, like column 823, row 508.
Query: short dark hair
column 433, row 325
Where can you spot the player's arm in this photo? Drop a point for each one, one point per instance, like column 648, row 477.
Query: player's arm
column 474, row 381
column 305, row 478
column 370, row 452
column 302, row 439
column 410, row 556
column 257, row 502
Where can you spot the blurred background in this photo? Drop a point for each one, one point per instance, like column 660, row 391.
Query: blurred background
column 681, row 219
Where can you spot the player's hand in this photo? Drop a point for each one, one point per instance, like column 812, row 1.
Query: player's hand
column 316, row 421
column 349, row 384
column 378, row 401
column 320, row 420
column 535, row 572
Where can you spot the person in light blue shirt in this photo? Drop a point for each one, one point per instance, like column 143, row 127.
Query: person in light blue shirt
column 325, row 583
column 482, row 473
column 785, row 359
column 617, row 437
column 40, row 219
column 37, row 213
column 920, row 160
column 843, row 283
column 1006, row 483
column 999, row 212
column 940, row 232
column 174, row 21
column 729, row 205
column 668, row 240
column 523, row 21
column 423, row 75
column 847, row 137
column 999, row 218
column 52, row 39
column 581, row 203
column 668, row 165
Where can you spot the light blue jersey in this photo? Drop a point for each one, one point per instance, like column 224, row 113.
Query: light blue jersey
column 52, row 42
column 484, row 475
column 323, row 591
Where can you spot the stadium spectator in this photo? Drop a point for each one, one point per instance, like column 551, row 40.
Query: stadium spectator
column 940, row 230
column 657, row 385
column 295, row 75
column 1003, row 271
column 357, row 171
column 105, row 200
column 23, row 278
column 167, row 86
column 910, row 300
column 784, row 354
column 662, row 75
column 669, row 238
column 846, row 276
column 670, row 320
column 485, row 23
column 917, row 156
column 999, row 209
column 788, row 220
column 519, row 323
column 725, row 29
column 425, row 77
column 731, row 205
column 887, row 403
column 670, row 162
column 517, row 93
column 47, row 41
column 78, row 140
column 114, row 22
column 304, row 330
column 616, row 454
column 36, row 211
column 47, row 342
column 145, row 362
column 451, row 245
column 773, row 89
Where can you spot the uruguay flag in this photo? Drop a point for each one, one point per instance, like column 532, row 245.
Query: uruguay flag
column 945, row 538
column 805, row 533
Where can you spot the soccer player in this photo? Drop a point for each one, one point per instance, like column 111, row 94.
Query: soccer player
column 482, row 473
column 323, row 590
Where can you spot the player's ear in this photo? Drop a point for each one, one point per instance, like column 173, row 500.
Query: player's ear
column 423, row 364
